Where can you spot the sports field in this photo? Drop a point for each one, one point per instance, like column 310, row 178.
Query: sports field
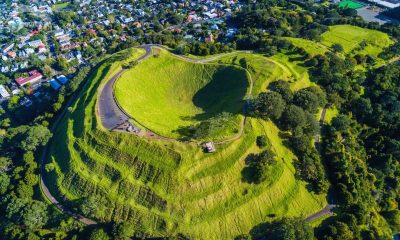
column 164, row 188
column 166, row 94
column 350, row 4
column 359, row 40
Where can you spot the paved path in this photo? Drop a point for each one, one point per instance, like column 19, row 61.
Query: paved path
column 112, row 116
column 328, row 210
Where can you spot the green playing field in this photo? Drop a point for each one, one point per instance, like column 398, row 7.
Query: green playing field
column 350, row 4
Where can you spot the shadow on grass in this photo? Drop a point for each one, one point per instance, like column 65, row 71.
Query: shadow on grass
column 224, row 93
column 79, row 114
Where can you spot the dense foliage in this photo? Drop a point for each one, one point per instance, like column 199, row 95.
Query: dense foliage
column 293, row 112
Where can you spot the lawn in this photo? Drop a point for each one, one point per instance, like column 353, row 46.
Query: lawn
column 311, row 47
column 170, row 187
column 352, row 39
column 351, row 4
column 60, row 6
column 166, row 94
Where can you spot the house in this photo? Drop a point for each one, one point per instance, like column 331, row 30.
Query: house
column 54, row 84
column 58, row 33
column 3, row 92
column 8, row 48
column 62, row 79
column 12, row 54
column 209, row 38
column 35, row 43
column 209, row 147
column 34, row 76
column 25, row 102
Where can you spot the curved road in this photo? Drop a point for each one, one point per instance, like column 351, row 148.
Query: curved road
column 112, row 116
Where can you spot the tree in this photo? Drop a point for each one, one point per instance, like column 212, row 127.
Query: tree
column 336, row 47
column 269, row 105
column 123, row 231
column 35, row 136
column 321, row 95
column 283, row 88
column 30, row 213
column 306, row 100
column 4, row 79
column 393, row 218
column 257, row 166
column 24, row 190
column 4, row 182
column 337, row 230
column 262, row 141
column 293, row 117
column 13, row 102
column 98, row 234
column 286, row 228
column 5, row 164
column 35, row 62
column 61, row 64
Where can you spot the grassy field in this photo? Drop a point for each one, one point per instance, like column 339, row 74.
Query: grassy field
column 350, row 4
column 60, row 6
column 166, row 94
column 166, row 188
column 352, row 37
column 311, row 47
column 264, row 70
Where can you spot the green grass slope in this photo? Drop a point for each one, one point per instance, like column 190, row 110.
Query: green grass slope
column 165, row 94
column 311, row 47
column 165, row 187
column 350, row 37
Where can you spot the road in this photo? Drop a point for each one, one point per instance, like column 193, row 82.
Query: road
column 110, row 113
column 328, row 210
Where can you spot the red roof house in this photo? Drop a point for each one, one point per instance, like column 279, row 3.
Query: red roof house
column 34, row 76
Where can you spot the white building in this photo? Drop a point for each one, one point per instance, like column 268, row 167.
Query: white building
column 3, row 92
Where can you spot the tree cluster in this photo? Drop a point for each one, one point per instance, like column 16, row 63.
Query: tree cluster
column 294, row 112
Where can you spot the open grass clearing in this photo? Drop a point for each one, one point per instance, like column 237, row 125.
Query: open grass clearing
column 60, row 6
column 311, row 47
column 351, row 37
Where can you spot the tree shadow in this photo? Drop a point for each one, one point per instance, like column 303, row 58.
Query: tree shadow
column 248, row 175
column 248, row 172
column 186, row 132
column 224, row 93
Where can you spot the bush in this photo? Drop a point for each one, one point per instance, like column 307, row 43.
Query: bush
column 262, row 141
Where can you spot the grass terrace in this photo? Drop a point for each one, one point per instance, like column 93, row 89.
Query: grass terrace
column 170, row 187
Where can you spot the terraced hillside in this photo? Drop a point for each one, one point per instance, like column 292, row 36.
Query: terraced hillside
column 165, row 188
column 166, row 94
